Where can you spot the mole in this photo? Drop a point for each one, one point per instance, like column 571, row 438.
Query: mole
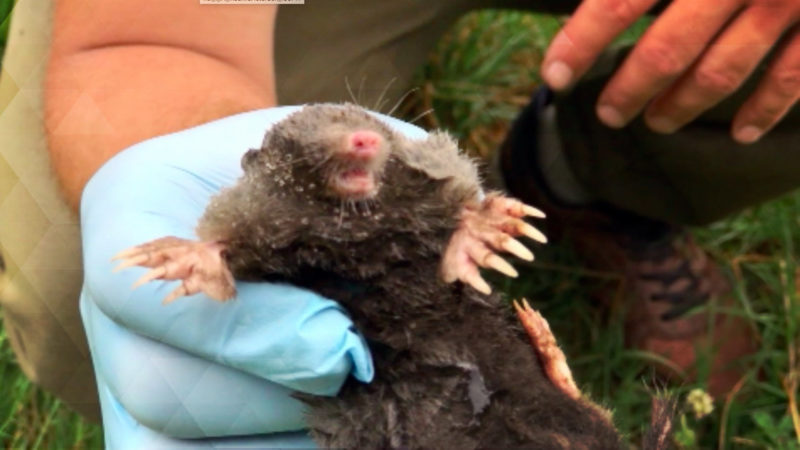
column 394, row 229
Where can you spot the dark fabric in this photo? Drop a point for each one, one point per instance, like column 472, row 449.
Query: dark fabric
column 693, row 177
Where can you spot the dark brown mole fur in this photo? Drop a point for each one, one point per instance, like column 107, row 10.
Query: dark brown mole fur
column 453, row 368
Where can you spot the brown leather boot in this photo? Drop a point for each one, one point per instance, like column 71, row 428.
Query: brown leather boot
column 668, row 279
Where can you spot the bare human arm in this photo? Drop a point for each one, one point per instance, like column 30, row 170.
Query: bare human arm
column 121, row 72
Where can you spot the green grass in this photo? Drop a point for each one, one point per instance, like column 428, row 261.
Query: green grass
column 479, row 77
column 5, row 19
column 33, row 419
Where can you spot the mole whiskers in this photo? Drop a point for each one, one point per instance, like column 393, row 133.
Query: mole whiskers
column 379, row 102
column 361, row 90
column 291, row 162
column 350, row 90
column 383, row 99
column 421, row 115
column 400, row 101
column 351, row 205
column 341, row 212
column 280, row 165
column 368, row 204
column 355, row 98
column 322, row 161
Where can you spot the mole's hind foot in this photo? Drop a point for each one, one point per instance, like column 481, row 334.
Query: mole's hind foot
column 552, row 358
column 199, row 265
column 486, row 227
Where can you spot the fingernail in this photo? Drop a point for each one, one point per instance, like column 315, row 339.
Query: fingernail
column 747, row 134
column 558, row 75
column 662, row 124
column 610, row 116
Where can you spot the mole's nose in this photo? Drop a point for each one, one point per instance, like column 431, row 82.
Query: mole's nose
column 364, row 144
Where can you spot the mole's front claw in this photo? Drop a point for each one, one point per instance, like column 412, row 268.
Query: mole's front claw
column 154, row 274
column 127, row 253
column 553, row 360
column 529, row 210
column 512, row 207
column 199, row 265
column 530, row 231
column 514, row 247
column 478, row 283
column 131, row 261
column 149, row 254
column 501, row 265
column 485, row 227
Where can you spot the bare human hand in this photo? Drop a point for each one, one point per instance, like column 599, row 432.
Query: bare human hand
column 695, row 54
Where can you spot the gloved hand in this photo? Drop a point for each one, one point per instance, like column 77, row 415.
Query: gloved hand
column 197, row 368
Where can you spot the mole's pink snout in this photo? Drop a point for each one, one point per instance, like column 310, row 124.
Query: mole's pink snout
column 363, row 144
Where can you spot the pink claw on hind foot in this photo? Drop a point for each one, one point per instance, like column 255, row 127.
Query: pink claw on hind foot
column 485, row 228
column 199, row 265
column 543, row 341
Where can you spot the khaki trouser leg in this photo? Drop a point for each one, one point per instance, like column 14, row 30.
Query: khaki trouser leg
column 39, row 236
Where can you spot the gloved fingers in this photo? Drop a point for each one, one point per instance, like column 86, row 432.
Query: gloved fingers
column 180, row 395
column 122, row 431
column 309, row 343
column 276, row 332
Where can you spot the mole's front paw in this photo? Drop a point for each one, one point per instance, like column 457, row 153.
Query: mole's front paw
column 199, row 265
column 487, row 227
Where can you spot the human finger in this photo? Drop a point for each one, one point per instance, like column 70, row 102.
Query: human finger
column 666, row 50
column 777, row 92
column 722, row 69
column 587, row 33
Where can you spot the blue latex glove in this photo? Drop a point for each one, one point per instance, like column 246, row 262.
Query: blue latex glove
column 197, row 368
